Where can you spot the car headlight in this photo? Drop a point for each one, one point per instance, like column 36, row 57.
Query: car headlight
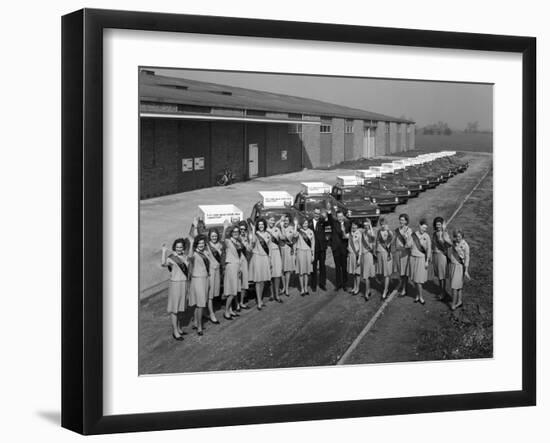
column 419, row 186
column 408, row 192
column 373, row 200
column 427, row 182
column 349, row 213
column 396, row 199
column 377, row 211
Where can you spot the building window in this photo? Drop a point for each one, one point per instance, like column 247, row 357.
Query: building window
column 294, row 128
column 387, row 128
column 348, row 127
column 326, row 129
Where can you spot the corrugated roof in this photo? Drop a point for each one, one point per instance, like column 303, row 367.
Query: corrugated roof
column 175, row 90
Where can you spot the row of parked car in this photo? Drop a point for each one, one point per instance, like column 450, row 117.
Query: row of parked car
column 367, row 193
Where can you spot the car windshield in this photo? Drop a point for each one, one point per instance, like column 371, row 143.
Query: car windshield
column 315, row 202
column 353, row 195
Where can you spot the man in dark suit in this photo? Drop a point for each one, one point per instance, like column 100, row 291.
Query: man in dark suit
column 339, row 245
column 318, row 225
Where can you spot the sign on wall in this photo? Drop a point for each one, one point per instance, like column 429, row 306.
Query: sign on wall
column 187, row 164
column 284, row 155
column 199, row 163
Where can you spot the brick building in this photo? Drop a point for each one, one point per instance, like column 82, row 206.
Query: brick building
column 191, row 130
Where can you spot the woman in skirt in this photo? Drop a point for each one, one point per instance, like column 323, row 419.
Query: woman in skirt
column 355, row 254
column 275, row 259
column 402, row 251
column 367, row 258
column 288, row 239
column 459, row 263
column 244, row 237
column 214, row 251
column 260, row 265
column 234, row 250
column 198, row 292
column 441, row 242
column 305, row 252
column 421, row 255
column 384, row 262
column 177, row 263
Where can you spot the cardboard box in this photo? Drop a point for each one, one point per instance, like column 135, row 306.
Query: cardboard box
column 218, row 214
column 316, row 188
column 276, row 199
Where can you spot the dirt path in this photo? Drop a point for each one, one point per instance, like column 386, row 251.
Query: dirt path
column 310, row 331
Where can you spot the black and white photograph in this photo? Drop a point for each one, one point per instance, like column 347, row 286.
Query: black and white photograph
column 291, row 221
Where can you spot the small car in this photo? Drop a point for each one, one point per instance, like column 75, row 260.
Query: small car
column 390, row 183
column 386, row 200
column 412, row 174
column 357, row 204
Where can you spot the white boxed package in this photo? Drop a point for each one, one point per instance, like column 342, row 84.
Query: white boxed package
column 376, row 170
column 316, row 188
column 389, row 167
column 218, row 214
column 276, row 199
column 365, row 173
column 348, row 180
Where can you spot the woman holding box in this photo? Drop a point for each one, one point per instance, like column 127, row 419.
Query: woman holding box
column 355, row 254
column 198, row 292
column 459, row 264
column 402, row 252
column 177, row 263
column 441, row 242
column 275, row 260
column 260, row 266
column 367, row 255
column 421, row 255
column 384, row 263
column 305, row 252
column 288, row 239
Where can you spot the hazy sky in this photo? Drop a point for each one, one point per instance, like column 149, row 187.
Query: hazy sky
column 422, row 101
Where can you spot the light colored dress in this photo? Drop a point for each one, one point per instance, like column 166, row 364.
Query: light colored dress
column 355, row 253
column 198, row 292
column 288, row 238
column 459, row 259
column 260, row 265
column 305, row 252
column 384, row 262
column 214, row 254
column 440, row 245
column 178, row 284
column 275, row 258
column 418, row 271
column 245, row 260
column 232, row 271
column 402, row 250
column 367, row 259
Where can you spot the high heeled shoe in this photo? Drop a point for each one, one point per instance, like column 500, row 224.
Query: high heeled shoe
column 180, row 338
column 228, row 317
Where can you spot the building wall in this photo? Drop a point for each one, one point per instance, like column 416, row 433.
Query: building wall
column 358, row 134
column 381, row 138
column 393, row 138
column 311, row 141
column 325, row 154
column 227, row 141
column 411, row 139
column 349, row 153
column 338, row 140
column 403, row 130
column 278, row 140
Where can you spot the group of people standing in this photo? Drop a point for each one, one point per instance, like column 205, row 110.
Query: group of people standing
column 208, row 264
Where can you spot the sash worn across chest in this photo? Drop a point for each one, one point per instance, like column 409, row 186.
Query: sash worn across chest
column 457, row 255
column 275, row 240
column 180, row 264
column 385, row 243
column 439, row 244
column 366, row 244
column 418, row 245
column 400, row 236
column 306, row 238
column 353, row 247
column 286, row 241
column 205, row 260
column 263, row 243
column 215, row 253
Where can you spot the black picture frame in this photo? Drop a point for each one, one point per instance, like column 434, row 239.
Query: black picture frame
column 82, row 219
